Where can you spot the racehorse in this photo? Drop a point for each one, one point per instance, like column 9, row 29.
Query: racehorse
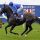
column 28, row 19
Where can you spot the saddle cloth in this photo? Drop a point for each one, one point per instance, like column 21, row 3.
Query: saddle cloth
column 19, row 17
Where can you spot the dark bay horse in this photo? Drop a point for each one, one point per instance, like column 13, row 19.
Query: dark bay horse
column 13, row 22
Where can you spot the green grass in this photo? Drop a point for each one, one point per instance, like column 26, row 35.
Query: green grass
column 33, row 35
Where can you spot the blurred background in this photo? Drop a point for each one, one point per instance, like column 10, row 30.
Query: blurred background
column 34, row 7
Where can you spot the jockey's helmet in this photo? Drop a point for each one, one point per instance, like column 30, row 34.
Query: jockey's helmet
column 11, row 3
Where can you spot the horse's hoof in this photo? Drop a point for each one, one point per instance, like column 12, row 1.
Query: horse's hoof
column 14, row 33
column 21, row 34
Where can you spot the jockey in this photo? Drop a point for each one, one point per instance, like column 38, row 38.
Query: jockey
column 13, row 7
column 19, row 11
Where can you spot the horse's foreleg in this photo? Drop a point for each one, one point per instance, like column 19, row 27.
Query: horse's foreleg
column 30, row 28
column 12, row 29
column 6, row 28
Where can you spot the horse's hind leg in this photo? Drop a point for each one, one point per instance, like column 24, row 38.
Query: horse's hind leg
column 25, row 29
column 30, row 28
column 6, row 28
column 12, row 29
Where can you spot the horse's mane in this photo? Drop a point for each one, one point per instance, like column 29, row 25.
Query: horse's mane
column 6, row 8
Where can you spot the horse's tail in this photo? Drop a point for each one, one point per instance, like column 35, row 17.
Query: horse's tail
column 38, row 20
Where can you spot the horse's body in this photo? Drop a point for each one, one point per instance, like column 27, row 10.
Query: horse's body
column 13, row 22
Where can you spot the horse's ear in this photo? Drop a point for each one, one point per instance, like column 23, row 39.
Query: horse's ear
column 4, row 5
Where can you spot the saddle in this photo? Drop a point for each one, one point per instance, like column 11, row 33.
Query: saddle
column 18, row 17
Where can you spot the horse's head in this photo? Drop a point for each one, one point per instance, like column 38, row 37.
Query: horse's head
column 2, row 10
column 6, row 9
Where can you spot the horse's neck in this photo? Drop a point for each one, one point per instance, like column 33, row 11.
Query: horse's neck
column 9, row 15
column 8, row 11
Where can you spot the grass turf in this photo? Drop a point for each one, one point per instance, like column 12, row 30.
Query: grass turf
column 33, row 35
